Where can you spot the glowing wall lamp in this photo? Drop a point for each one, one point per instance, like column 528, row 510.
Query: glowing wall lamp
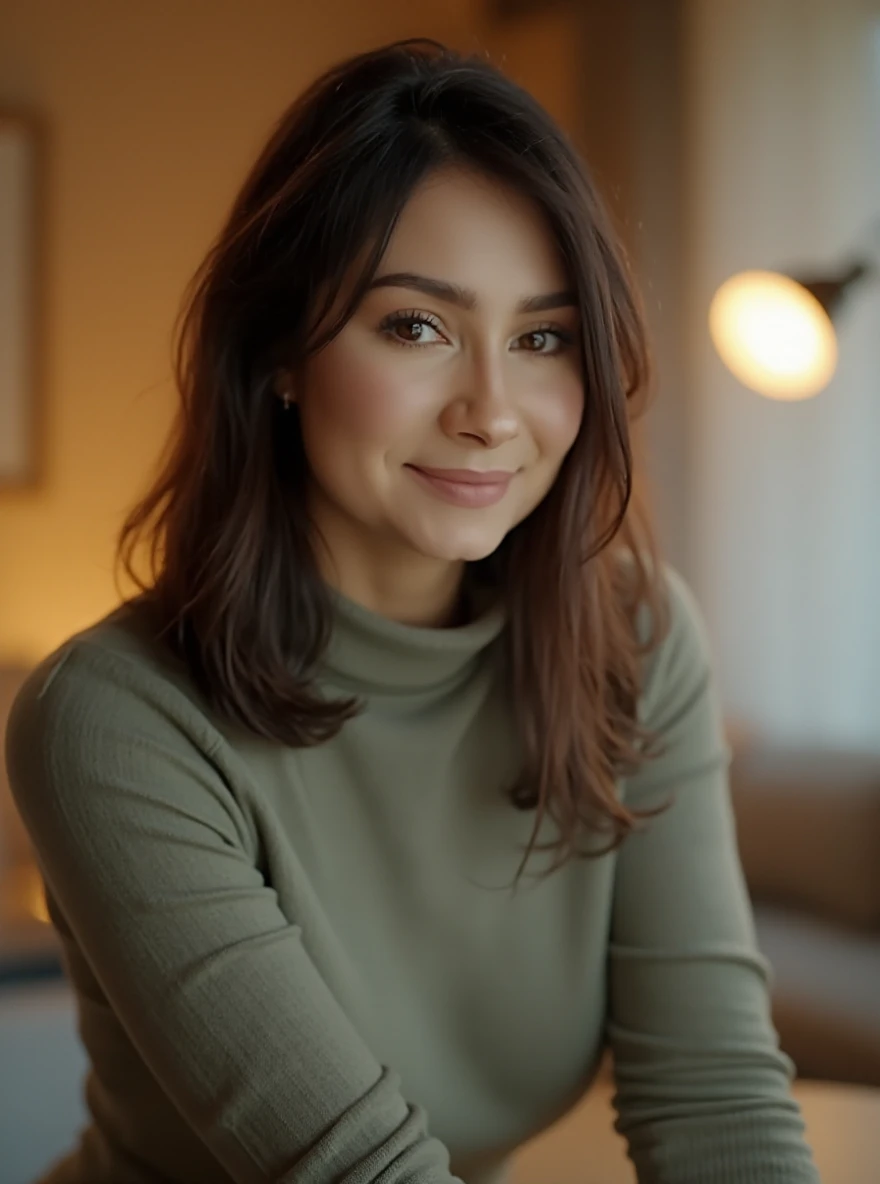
column 775, row 333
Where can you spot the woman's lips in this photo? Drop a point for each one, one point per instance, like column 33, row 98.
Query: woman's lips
column 477, row 490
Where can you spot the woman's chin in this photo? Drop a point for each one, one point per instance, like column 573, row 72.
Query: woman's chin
column 462, row 550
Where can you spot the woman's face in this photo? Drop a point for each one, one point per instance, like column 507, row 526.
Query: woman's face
column 463, row 355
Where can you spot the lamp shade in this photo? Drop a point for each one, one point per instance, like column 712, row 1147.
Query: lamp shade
column 773, row 335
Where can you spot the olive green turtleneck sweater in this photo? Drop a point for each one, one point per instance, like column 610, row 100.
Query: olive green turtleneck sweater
column 306, row 966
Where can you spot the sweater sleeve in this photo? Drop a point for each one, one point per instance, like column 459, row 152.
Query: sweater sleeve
column 702, row 1089
column 145, row 850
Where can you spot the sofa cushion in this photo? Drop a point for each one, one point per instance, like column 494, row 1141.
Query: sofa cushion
column 808, row 826
column 826, row 1005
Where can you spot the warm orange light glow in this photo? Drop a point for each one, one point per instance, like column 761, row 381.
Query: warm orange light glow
column 23, row 896
column 773, row 335
column 36, row 903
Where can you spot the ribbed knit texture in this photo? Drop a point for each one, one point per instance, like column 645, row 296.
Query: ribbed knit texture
column 308, row 966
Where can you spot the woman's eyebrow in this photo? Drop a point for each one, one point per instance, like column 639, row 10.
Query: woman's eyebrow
column 465, row 297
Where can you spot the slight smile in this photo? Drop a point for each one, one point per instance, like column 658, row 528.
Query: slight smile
column 464, row 487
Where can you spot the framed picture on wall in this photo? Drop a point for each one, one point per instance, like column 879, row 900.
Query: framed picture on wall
column 18, row 304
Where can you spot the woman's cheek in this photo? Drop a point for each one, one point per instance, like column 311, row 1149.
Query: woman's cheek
column 557, row 411
column 374, row 399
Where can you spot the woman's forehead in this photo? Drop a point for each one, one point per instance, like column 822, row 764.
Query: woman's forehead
column 477, row 232
column 466, row 229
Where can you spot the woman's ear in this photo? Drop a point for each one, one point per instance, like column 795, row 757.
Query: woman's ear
column 284, row 387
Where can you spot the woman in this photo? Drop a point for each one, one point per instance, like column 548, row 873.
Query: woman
column 398, row 791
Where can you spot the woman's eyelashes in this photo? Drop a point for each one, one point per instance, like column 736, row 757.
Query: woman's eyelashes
column 414, row 328
column 418, row 327
column 545, row 334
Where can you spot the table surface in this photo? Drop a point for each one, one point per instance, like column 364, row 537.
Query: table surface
column 842, row 1121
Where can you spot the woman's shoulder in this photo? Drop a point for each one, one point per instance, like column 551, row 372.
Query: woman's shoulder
column 679, row 657
column 678, row 704
column 122, row 641
column 106, row 737
column 115, row 668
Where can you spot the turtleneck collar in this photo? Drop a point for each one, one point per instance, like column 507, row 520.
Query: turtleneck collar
column 380, row 655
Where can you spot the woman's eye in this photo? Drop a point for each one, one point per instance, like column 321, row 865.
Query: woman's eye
column 411, row 329
column 546, row 341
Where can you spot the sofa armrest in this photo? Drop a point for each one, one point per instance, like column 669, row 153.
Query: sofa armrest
column 808, row 826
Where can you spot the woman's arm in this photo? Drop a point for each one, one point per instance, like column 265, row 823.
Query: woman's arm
column 144, row 849
column 703, row 1091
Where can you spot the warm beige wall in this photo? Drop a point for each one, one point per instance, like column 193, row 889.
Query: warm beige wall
column 784, row 172
column 154, row 109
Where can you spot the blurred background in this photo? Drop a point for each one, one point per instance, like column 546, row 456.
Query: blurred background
column 727, row 136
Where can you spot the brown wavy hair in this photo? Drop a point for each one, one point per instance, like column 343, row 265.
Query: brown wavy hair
column 233, row 585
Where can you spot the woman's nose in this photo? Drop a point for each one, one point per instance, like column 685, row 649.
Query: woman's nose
column 484, row 409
